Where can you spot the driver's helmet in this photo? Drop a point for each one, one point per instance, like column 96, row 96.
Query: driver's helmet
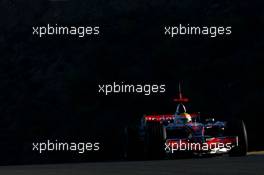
column 183, row 118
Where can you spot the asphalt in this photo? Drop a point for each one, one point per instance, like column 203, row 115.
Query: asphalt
column 253, row 164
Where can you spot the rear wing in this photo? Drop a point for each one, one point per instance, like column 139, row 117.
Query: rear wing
column 159, row 117
column 165, row 117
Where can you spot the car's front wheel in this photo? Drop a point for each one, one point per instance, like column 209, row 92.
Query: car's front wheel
column 237, row 128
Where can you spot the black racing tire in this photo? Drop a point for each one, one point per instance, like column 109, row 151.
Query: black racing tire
column 238, row 128
column 154, row 140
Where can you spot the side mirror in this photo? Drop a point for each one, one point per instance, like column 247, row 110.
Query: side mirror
column 210, row 120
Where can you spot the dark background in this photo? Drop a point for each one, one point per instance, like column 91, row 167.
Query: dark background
column 48, row 87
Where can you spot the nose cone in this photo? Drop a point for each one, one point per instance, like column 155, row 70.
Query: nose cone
column 180, row 109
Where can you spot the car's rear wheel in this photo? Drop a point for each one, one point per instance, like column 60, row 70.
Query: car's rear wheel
column 154, row 140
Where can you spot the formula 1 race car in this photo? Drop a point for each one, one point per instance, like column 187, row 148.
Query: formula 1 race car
column 159, row 136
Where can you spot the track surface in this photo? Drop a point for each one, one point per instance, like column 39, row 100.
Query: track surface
column 252, row 164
